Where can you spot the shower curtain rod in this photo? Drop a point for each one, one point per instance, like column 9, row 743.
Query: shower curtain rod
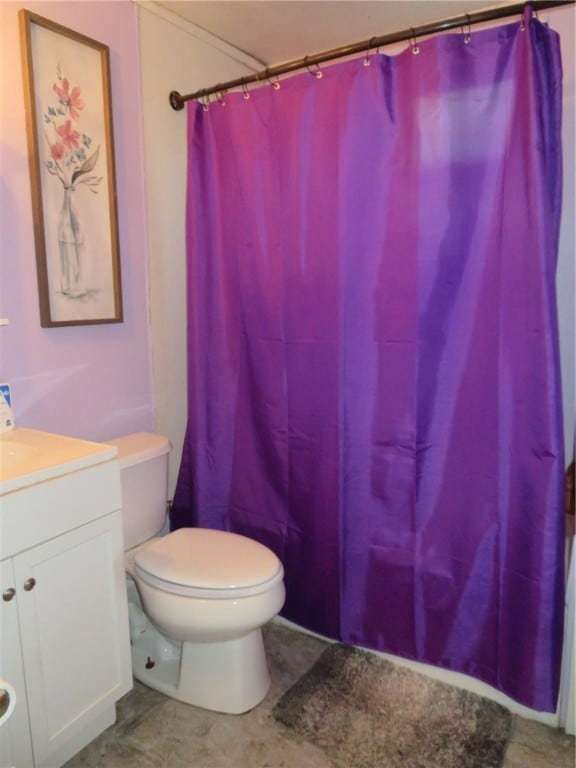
column 466, row 20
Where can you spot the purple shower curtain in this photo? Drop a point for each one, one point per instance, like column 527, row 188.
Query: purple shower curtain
column 373, row 363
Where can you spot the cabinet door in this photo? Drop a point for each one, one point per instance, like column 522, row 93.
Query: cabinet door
column 15, row 744
column 74, row 632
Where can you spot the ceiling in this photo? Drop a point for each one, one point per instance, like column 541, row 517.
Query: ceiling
column 274, row 31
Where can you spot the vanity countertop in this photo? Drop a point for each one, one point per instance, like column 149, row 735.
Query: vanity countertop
column 28, row 456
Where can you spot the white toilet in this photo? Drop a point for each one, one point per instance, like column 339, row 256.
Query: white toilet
column 197, row 598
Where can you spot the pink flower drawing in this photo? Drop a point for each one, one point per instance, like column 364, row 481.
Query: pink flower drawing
column 69, row 149
column 68, row 136
column 57, row 151
column 69, row 99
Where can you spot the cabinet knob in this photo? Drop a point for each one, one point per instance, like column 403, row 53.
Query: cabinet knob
column 8, row 594
column 29, row 584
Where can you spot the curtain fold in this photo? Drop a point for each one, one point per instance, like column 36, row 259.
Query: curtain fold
column 373, row 355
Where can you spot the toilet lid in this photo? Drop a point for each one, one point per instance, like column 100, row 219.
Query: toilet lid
column 205, row 559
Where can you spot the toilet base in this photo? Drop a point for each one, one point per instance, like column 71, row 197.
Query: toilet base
column 230, row 676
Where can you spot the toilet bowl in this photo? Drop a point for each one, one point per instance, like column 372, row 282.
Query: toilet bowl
column 189, row 593
column 198, row 598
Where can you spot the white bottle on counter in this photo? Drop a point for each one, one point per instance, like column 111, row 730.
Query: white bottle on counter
column 6, row 415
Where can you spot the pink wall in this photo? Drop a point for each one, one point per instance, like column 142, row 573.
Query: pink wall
column 86, row 381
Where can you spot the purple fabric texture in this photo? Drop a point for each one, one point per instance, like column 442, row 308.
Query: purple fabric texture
column 373, row 362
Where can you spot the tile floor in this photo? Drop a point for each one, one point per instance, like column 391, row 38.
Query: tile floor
column 153, row 731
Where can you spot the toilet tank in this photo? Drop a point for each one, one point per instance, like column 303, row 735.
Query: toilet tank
column 143, row 459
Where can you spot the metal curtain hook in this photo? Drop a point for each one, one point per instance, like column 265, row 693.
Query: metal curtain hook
column 221, row 98
column 205, row 103
column 274, row 83
column 367, row 56
column 467, row 31
column 317, row 73
column 414, row 42
column 245, row 93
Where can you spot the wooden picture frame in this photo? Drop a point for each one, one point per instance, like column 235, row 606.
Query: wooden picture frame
column 72, row 174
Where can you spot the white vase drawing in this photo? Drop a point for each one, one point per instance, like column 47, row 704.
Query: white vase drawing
column 70, row 247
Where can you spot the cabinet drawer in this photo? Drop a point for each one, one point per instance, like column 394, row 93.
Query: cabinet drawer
column 41, row 512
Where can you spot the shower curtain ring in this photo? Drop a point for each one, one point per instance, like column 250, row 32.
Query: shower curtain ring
column 205, row 103
column 245, row 93
column 274, row 83
column 467, row 32
column 367, row 56
column 414, row 42
column 317, row 73
column 221, row 99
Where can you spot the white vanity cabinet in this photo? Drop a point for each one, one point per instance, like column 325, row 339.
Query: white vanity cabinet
column 64, row 642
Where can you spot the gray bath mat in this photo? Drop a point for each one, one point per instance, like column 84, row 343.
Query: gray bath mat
column 365, row 712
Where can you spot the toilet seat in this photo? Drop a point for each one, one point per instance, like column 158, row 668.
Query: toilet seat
column 210, row 564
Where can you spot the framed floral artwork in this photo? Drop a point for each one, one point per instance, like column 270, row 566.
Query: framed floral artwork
column 72, row 173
